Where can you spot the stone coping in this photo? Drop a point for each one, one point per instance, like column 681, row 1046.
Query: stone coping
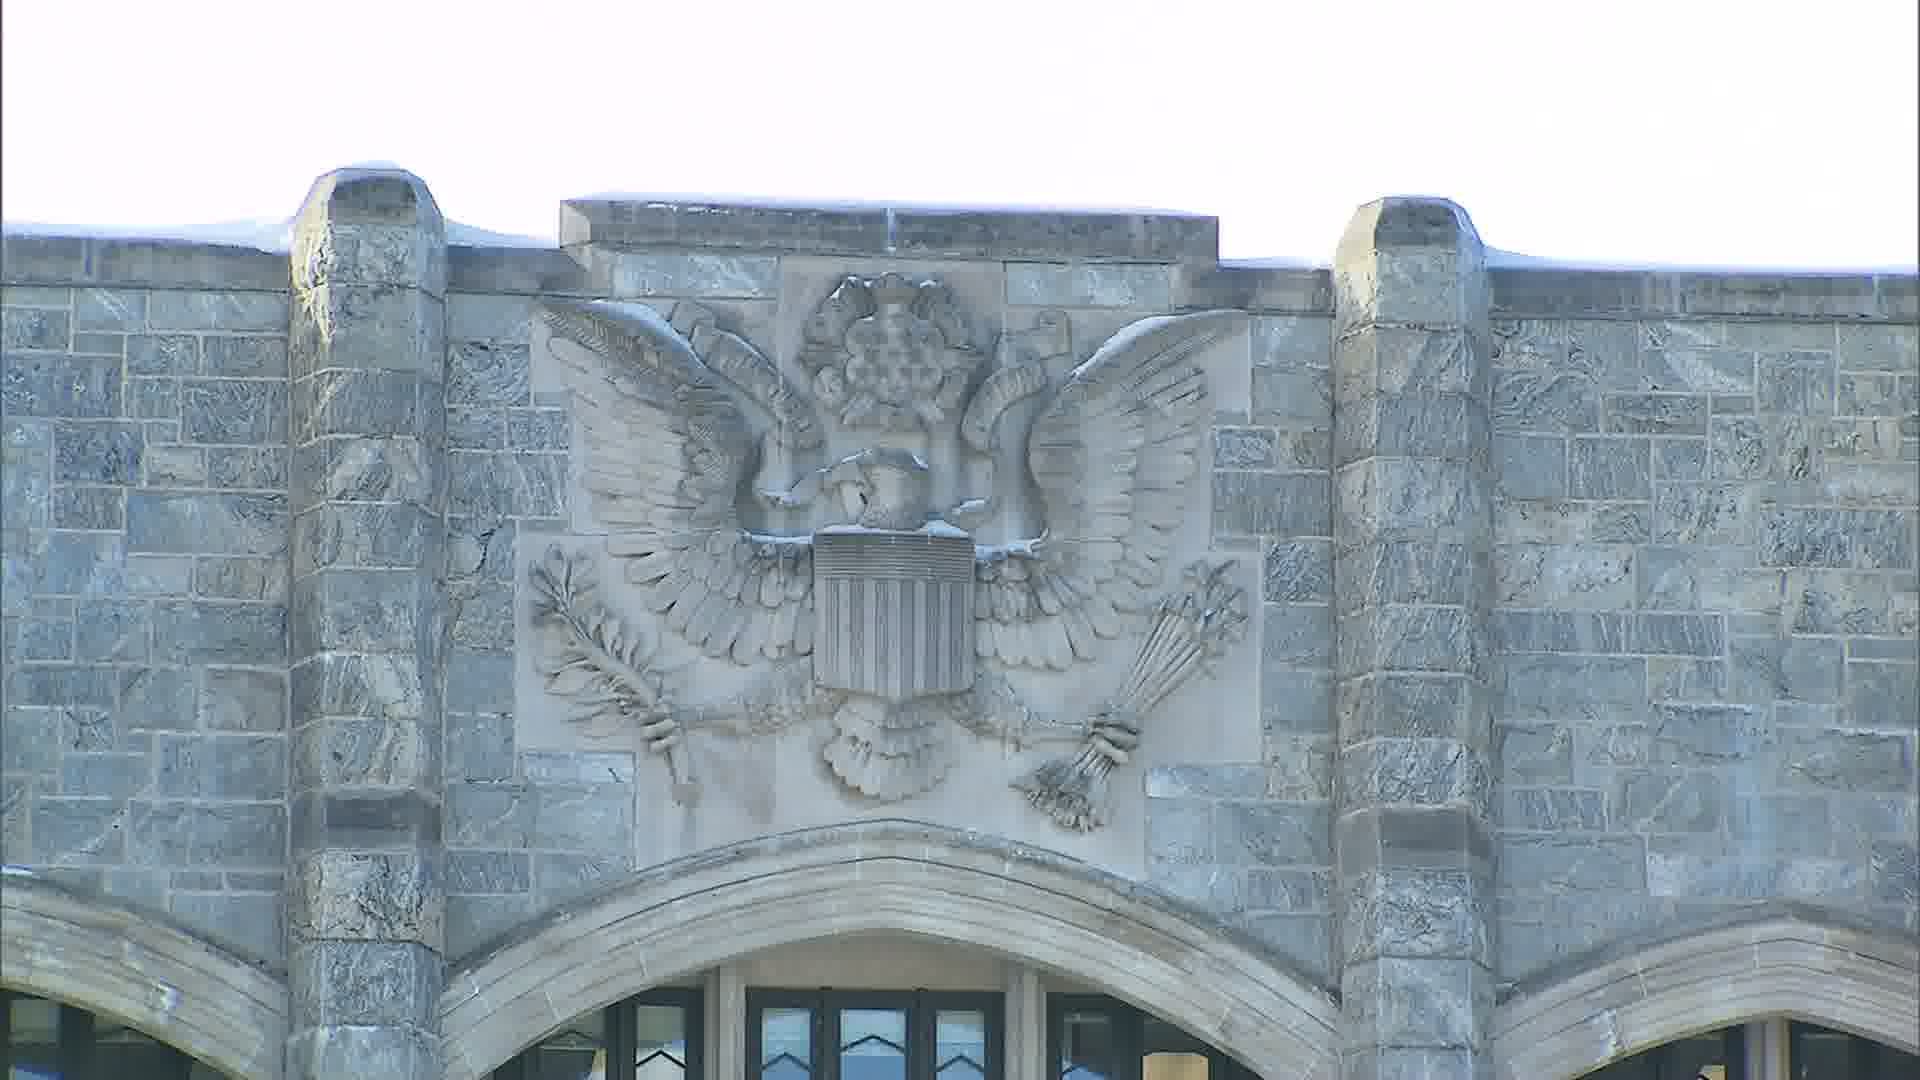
column 35, row 259
column 911, row 877
column 894, row 231
column 1200, row 282
column 1541, row 292
column 143, row 970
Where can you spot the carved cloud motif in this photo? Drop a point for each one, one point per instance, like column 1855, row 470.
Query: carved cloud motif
column 825, row 537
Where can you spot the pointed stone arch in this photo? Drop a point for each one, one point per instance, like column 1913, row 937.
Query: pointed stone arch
column 1054, row 912
column 1772, row 960
column 143, row 971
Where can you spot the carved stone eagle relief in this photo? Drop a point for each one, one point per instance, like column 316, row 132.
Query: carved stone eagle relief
column 822, row 530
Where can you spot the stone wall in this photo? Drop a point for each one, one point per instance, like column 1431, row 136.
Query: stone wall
column 1707, row 620
column 145, row 592
column 1616, row 597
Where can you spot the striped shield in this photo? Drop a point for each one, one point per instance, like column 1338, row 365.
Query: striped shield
column 893, row 613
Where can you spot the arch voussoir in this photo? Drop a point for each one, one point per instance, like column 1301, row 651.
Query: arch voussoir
column 142, row 971
column 901, row 877
column 1775, row 961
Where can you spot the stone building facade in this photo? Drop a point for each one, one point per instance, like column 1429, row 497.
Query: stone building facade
column 1017, row 633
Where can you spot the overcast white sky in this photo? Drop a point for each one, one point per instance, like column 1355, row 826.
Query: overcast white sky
column 1764, row 132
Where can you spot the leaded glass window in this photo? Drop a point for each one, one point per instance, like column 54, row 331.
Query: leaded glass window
column 873, row 1035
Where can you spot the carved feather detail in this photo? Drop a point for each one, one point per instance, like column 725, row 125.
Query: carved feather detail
column 1113, row 454
column 666, row 449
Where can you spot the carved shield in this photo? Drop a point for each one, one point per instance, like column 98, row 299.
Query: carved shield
column 893, row 613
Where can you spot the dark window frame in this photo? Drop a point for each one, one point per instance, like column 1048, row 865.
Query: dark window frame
column 622, row 1037
column 1128, row 1025
column 1657, row 1062
column 76, row 1037
column 921, row 1006
column 1867, row 1059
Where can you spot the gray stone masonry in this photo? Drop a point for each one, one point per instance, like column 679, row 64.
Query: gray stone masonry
column 143, row 535
column 1411, row 540
column 1707, row 616
column 367, row 898
column 1590, row 601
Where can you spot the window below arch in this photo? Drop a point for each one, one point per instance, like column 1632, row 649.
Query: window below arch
column 51, row 1040
column 657, row 1035
column 1093, row 1037
column 1815, row 1053
column 1766, row 1050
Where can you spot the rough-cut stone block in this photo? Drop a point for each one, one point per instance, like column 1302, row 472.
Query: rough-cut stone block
column 253, row 923
column 357, row 611
column 403, row 1053
column 360, row 536
column 349, row 751
column 488, row 815
column 233, row 411
column 582, row 817
column 1112, row 286
column 1180, row 831
column 336, row 684
column 489, row 872
column 221, row 766
column 243, row 699
column 1572, row 863
column 255, row 312
column 1425, row 772
column 36, row 328
column 366, row 983
column 53, row 384
column 1423, row 1002
column 365, row 820
column 1272, row 833
column 688, row 274
column 1415, row 571
column 356, row 402
column 220, row 633
column 1280, row 505
column 1588, row 576
column 165, row 522
column 236, row 835
column 391, row 896
column 1416, row 913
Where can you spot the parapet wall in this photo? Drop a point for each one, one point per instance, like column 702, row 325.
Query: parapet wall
column 1579, row 601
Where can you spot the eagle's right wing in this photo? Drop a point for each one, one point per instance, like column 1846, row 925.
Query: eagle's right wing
column 667, row 447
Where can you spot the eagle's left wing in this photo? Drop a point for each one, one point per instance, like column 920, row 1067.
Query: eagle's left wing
column 1113, row 454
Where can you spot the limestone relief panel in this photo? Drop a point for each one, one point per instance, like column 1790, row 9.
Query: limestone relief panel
column 902, row 568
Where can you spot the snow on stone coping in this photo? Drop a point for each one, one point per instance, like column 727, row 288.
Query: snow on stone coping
column 1497, row 259
column 270, row 236
column 708, row 202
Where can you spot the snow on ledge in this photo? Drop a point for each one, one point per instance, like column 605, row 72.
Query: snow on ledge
column 1496, row 259
column 711, row 201
column 459, row 235
column 270, row 236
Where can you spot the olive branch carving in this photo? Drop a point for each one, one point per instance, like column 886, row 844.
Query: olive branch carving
column 591, row 657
